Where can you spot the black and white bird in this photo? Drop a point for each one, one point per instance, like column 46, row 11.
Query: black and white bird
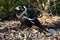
column 31, row 17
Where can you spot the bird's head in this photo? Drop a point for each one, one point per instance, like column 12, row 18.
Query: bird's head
column 21, row 8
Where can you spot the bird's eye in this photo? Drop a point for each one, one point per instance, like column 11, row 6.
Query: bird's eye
column 21, row 8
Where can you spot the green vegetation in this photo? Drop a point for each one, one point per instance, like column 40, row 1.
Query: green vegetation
column 7, row 6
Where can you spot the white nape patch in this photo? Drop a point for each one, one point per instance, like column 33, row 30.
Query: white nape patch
column 25, row 8
column 17, row 8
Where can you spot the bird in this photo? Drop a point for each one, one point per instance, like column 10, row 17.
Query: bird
column 31, row 17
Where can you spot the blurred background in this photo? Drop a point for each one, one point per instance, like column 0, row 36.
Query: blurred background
column 44, row 6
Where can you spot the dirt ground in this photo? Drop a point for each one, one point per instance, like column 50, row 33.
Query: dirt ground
column 10, row 30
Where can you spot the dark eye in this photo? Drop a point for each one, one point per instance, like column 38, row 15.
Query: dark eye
column 21, row 8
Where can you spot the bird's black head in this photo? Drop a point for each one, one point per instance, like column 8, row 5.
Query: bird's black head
column 21, row 8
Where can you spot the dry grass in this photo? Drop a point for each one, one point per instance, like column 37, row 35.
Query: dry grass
column 28, row 34
column 49, row 20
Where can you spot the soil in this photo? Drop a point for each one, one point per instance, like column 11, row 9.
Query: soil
column 11, row 30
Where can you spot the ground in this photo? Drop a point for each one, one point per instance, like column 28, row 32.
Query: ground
column 10, row 30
